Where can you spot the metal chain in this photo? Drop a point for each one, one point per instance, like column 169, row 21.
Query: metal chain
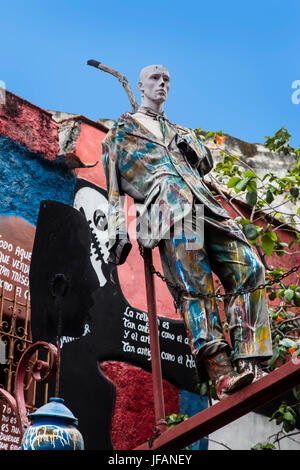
column 182, row 292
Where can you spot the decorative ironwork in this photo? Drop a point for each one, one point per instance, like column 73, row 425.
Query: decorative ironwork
column 37, row 368
column 14, row 333
column 23, row 368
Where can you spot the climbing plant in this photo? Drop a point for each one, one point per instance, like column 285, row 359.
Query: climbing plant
column 274, row 207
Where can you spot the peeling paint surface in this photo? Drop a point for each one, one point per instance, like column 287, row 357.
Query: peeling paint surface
column 29, row 125
column 27, row 178
column 52, row 437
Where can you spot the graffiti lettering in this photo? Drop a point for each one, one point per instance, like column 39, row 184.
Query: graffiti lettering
column 10, row 433
column 23, row 254
column 4, row 258
column 128, row 347
column 189, row 361
column 128, row 324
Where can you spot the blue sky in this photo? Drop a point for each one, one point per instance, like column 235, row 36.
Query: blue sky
column 232, row 64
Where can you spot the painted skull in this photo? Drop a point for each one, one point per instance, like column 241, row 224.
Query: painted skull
column 91, row 202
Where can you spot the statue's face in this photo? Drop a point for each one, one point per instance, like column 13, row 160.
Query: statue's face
column 154, row 83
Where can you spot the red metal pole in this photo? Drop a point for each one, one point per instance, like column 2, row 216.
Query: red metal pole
column 159, row 406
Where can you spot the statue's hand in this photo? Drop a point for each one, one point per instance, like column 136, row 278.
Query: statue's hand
column 120, row 250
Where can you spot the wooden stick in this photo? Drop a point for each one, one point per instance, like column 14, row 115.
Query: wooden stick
column 122, row 79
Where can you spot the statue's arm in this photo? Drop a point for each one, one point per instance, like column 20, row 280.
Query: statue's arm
column 206, row 162
column 119, row 243
column 197, row 154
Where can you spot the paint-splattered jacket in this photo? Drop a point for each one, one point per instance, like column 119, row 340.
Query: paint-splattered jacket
column 170, row 174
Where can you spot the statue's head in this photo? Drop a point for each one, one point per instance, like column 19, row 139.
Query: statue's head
column 154, row 84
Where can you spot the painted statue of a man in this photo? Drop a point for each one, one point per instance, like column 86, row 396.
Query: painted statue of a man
column 162, row 164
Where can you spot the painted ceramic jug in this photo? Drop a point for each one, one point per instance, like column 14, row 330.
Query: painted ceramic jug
column 54, row 428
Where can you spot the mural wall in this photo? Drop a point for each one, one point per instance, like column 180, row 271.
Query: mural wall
column 115, row 343
column 29, row 172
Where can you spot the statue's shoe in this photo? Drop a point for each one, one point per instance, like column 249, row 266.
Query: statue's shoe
column 232, row 382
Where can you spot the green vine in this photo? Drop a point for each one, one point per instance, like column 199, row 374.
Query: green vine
column 269, row 195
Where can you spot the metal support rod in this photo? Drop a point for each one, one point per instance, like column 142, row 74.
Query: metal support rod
column 159, row 406
column 58, row 357
column 58, row 288
column 57, row 368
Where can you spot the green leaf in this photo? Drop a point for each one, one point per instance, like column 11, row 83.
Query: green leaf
column 267, row 446
column 280, row 293
column 241, row 186
column 172, row 418
column 296, row 392
column 273, row 236
column 250, row 174
column 269, row 197
column 251, row 198
column 297, row 298
column 273, row 360
column 287, row 343
column 294, row 192
column 272, row 189
column 245, row 222
column 288, row 416
column 272, row 296
column 267, row 244
column 210, row 134
column 289, row 294
column 233, row 181
column 250, row 231
column 203, row 389
column 251, row 186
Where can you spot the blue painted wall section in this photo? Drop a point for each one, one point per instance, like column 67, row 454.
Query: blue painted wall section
column 26, row 178
column 191, row 404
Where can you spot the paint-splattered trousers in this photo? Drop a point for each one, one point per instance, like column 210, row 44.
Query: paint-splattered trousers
column 237, row 266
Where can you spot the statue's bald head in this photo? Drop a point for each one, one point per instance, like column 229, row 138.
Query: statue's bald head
column 154, row 85
column 152, row 69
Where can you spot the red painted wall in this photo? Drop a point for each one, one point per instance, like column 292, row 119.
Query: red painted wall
column 88, row 149
column 29, row 125
column 133, row 420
